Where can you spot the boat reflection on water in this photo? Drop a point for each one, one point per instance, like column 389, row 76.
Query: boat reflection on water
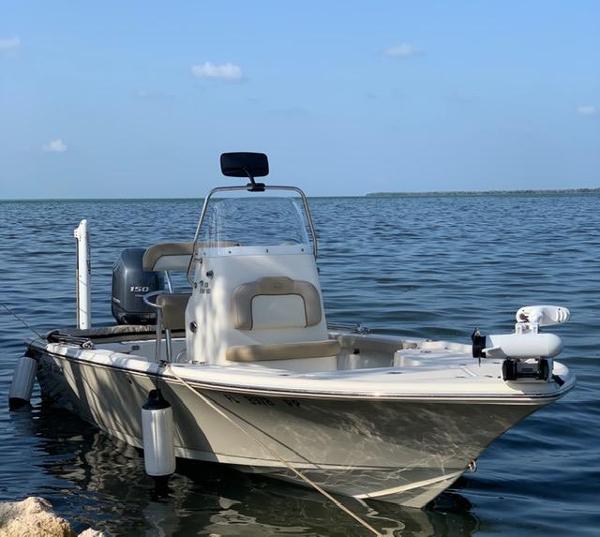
column 99, row 481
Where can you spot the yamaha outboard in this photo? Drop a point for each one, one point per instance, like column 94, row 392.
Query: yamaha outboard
column 130, row 282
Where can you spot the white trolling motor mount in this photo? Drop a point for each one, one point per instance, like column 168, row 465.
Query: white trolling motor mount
column 527, row 353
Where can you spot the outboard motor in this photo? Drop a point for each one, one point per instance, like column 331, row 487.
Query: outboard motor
column 130, row 282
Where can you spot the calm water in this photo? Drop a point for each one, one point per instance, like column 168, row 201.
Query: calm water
column 431, row 267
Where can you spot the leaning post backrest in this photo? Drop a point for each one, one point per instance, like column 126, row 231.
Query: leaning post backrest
column 172, row 256
column 275, row 301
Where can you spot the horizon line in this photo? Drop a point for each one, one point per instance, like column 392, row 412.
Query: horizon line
column 577, row 190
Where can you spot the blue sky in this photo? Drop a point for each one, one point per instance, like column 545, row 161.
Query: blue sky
column 138, row 99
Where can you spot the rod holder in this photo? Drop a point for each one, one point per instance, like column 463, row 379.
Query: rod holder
column 83, row 277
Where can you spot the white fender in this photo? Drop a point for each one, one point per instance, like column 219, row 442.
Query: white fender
column 21, row 386
column 157, row 435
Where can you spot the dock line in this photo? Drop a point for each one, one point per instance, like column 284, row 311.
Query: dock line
column 304, row 478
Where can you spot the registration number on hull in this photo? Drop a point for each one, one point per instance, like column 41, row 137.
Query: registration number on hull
column 257, row 400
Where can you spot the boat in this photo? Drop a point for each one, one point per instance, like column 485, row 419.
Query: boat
column 221, row 352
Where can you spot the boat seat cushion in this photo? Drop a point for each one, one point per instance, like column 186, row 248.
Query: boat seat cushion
column 173, row 255
column 275, row 302
column 173, row 309
column 283, row 351
column 168, row 256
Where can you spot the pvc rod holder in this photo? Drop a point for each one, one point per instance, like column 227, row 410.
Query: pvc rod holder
column 83, row 277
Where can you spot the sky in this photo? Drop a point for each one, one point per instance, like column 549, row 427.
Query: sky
column 138, row 99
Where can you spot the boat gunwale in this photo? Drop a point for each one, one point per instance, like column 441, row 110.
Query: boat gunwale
column 535, row 399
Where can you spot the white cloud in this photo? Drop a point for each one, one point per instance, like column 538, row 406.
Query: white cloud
column 223, row 71
column 403, row 50
column 9, row 43
column 55, row 146
column 588, row 110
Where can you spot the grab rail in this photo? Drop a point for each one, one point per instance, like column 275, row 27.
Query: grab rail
column 159, row 331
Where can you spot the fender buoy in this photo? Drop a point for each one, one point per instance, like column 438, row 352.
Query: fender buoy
column 21, row 386
column 157, row 436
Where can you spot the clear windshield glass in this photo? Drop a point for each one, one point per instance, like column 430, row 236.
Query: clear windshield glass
column 254, row 219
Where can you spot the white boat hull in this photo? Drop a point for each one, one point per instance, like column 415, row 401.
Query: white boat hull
column 404, row 452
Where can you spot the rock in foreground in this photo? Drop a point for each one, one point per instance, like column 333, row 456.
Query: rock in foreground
column 33, row 517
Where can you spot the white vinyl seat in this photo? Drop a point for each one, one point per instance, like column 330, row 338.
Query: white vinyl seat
column 278, row 303
column 283, row 351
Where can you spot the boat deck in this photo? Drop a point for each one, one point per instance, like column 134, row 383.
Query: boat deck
column 379, row 367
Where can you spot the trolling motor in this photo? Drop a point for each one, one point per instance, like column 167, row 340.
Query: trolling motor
column 527, row 353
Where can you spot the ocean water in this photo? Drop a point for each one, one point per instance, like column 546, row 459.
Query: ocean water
column 429, row 267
